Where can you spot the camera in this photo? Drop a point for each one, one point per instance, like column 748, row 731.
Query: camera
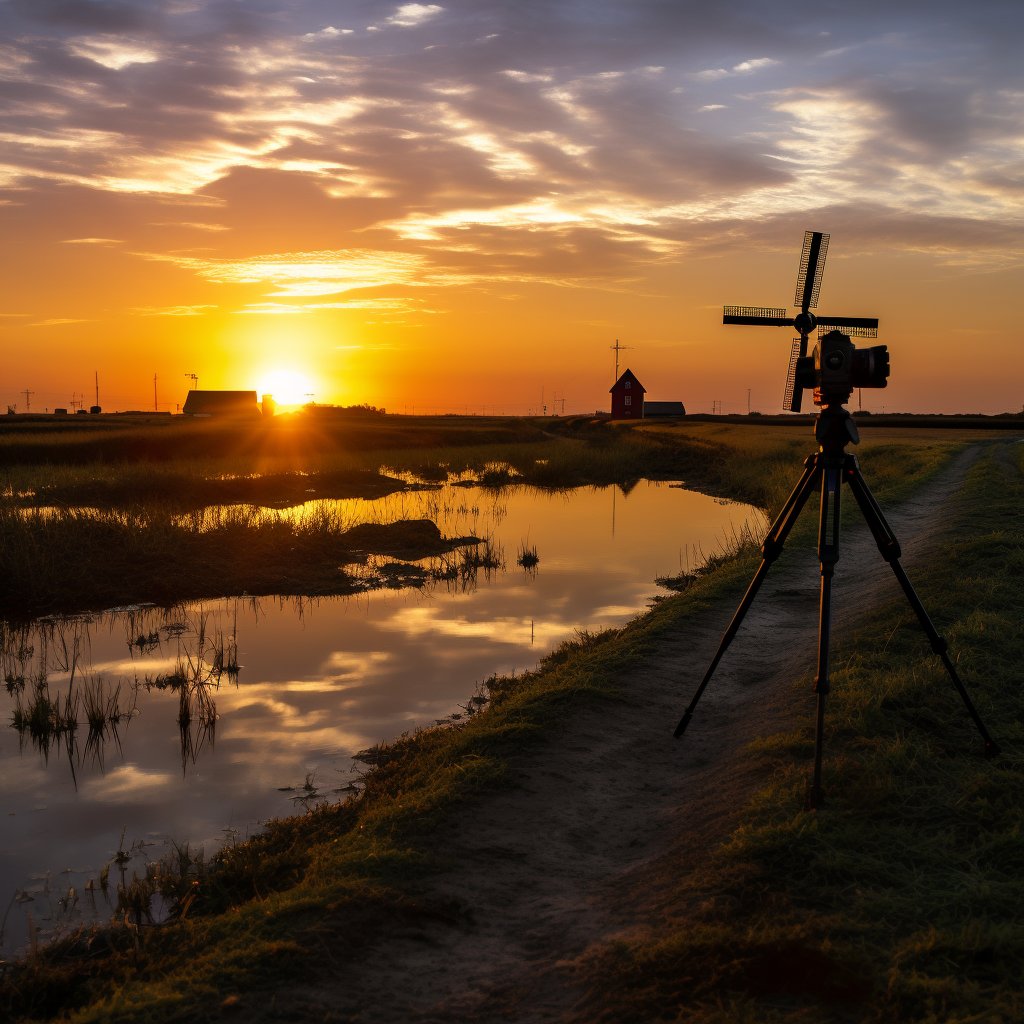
column 837, row 366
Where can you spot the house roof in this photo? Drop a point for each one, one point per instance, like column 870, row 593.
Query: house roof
column 221, row 403
column 627, row 375
column 664, row 408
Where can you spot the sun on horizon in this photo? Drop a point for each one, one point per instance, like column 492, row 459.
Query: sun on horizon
column 287, row 386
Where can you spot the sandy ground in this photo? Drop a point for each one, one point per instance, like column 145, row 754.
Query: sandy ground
column 569, row 859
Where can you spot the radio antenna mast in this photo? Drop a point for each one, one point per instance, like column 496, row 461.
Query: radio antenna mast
column 617, row 348
column 808, row 284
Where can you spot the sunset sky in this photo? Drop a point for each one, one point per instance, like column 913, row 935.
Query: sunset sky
column 461, row 206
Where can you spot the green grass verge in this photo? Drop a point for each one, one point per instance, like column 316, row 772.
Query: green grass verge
column 900, row 901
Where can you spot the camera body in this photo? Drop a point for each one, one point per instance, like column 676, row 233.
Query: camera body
column 837, row 366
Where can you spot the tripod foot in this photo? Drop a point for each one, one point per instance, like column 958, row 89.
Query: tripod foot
column 814, row 797
column 683, row 723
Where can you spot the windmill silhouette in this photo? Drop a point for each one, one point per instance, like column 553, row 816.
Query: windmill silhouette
column 833, row 373
column 808, row 284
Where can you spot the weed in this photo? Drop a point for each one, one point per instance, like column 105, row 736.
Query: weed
column 527, row 557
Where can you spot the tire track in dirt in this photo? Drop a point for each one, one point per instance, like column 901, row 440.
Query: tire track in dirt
column 568, row 859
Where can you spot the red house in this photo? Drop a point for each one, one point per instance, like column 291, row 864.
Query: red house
column 627, row 398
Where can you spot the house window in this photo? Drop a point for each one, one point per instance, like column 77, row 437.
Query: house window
column 628, row 400
column 629, row 383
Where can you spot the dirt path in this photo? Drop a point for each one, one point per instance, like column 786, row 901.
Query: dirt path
column 570, row 858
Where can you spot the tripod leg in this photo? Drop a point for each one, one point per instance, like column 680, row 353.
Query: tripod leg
column 889, row 548
column 828, row 555
column 770, row 550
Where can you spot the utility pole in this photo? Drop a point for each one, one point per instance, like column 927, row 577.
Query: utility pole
column 195, row 380
column 748, row 401
column 97, row 372
column 156, row 407
column 617, row 348
column 28, row 394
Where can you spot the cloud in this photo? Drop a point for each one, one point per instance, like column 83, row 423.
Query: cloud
column 493, row 141
column 307, row 274
column 411, row 15
column 197, row 310
column 745, row 67
column 103, row 15
column 114, row 53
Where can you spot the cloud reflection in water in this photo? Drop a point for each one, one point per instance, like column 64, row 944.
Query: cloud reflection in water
column 320, row 679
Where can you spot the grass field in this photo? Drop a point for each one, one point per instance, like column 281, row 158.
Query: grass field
column 900, row 904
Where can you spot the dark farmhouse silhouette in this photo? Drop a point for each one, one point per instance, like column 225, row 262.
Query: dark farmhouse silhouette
column 628, row 402
column 221, row 403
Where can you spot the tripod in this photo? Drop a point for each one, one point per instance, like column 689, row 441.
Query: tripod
column 831, row 466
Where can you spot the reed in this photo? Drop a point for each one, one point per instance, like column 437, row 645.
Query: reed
column 462, row 568
column 70, row 559
column 527, row 556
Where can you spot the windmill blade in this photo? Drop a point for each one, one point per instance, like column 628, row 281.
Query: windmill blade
column 794, row 395
column 812, row 266
column 855, row 326
column 762, row 316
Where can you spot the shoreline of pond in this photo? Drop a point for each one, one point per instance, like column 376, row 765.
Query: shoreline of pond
column 597, row 567
column 96, row 558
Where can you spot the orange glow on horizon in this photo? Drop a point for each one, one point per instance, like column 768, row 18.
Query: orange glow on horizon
column 405, row 213
column 287, row 386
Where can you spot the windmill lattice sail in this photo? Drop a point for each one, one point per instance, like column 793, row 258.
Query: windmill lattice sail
column 808, row 286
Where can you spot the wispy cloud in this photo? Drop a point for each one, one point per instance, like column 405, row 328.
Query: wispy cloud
column 198, row 310
column 307, row 274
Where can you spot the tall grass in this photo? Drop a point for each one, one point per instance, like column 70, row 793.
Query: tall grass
column 72, row 559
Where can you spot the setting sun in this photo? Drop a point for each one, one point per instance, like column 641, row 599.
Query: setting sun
column 287, row 387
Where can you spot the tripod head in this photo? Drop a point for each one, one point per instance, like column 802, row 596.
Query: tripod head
column 834, row 427
column 833, row 371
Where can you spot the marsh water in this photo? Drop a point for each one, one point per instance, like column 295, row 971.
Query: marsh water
column 198, row 722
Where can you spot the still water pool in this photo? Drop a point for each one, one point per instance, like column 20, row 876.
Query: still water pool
column 192, row 751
